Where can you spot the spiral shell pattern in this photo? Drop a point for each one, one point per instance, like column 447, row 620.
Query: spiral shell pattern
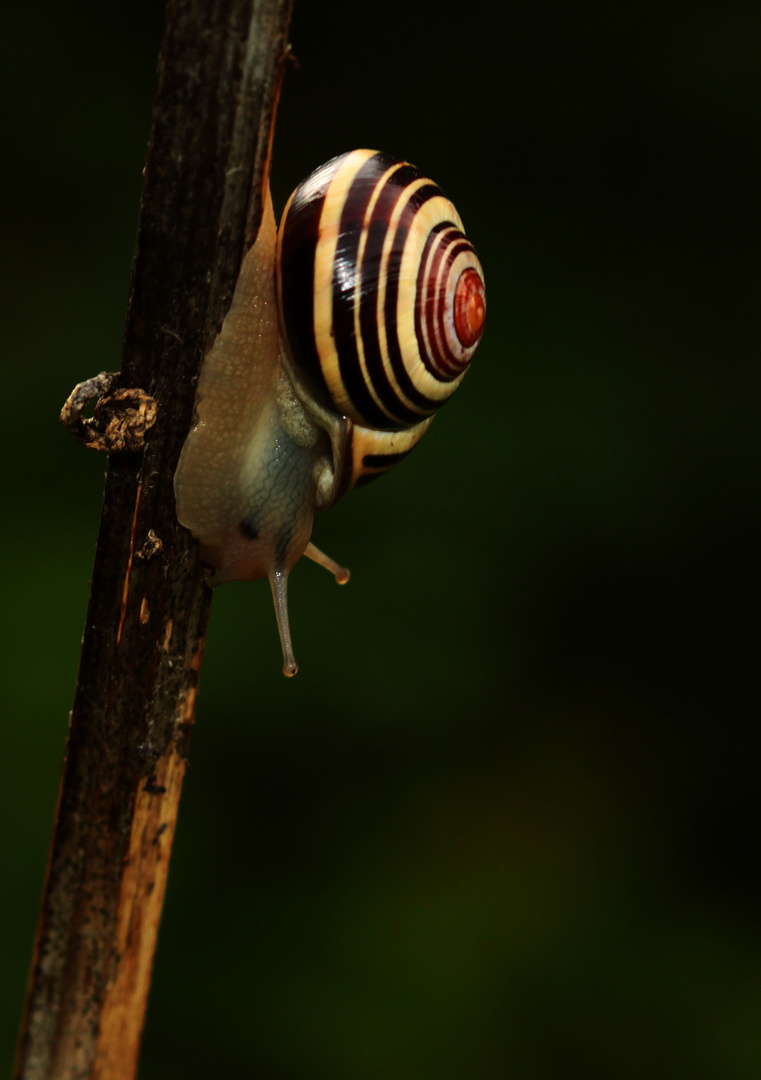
column 382, row 297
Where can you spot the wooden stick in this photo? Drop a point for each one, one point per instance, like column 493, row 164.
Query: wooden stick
column 219, row 73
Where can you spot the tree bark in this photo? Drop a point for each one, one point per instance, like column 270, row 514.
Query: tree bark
column 218, row 79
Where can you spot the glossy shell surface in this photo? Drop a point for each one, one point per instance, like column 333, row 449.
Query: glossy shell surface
column 381, row 293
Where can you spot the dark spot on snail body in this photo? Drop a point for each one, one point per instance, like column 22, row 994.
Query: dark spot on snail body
column 248, row 531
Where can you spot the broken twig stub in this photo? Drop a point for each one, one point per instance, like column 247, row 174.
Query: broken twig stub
column 120, row 419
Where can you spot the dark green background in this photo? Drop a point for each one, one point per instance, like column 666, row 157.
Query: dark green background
column 505, row 822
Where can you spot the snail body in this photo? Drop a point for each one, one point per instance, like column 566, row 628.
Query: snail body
column 348, row 328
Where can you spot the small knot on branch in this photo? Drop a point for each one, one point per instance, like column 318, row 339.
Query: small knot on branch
column 292, row 59
column 120, row 418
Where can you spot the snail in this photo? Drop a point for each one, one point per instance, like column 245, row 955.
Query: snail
column 348, row 328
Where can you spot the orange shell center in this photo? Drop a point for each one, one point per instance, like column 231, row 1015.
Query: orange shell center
column 469, row 307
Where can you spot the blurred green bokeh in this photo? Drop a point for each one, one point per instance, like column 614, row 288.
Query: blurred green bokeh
column 505, row 822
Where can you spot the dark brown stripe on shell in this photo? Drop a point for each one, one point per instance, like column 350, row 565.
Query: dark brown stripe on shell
column 450, row 366
column 367, row 478
column 408, row 388
column 384, row 461
column 351, row 372
column 425, row 296
column 300, row 233
column 379, row 391
column 344, row 299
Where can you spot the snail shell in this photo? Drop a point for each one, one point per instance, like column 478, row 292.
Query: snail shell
column 325, row 380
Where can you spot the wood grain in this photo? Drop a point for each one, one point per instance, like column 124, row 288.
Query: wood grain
column 219, row 74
